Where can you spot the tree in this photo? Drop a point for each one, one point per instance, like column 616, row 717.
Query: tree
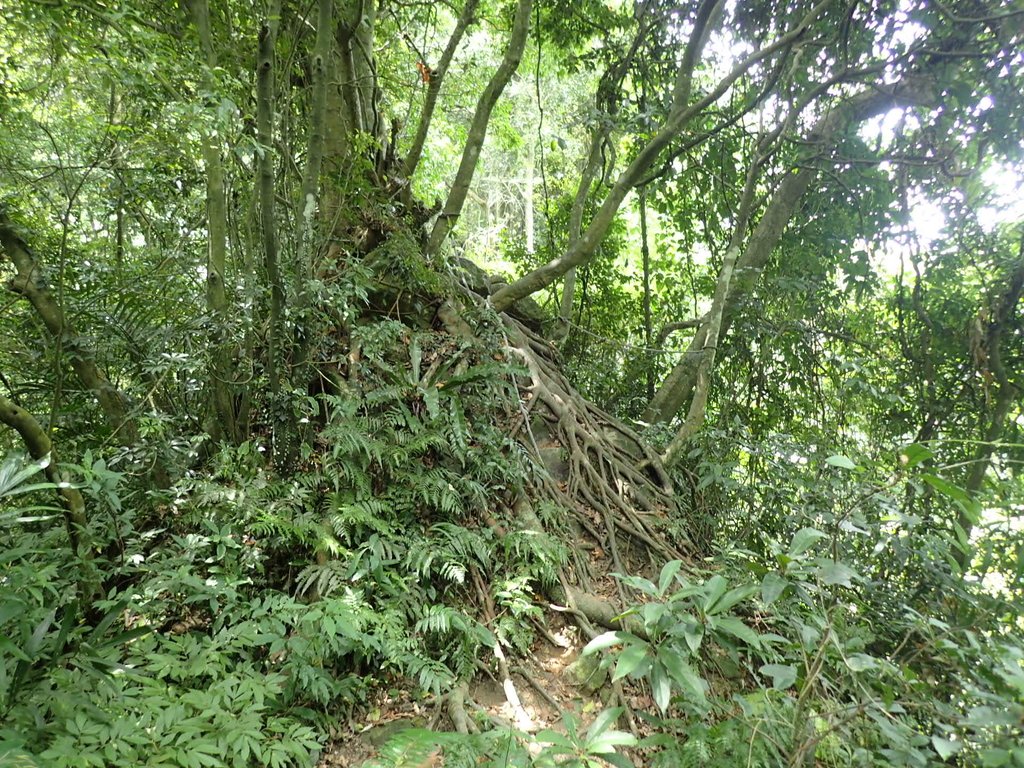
column 219, row 219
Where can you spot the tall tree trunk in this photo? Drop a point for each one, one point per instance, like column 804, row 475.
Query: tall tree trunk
column 311, row 180
column 579, row 203
column 265, row 136
column 1004, row 323
column 645, row 254
column 351, row 109
column 713, row 324
column 528, row 189
column 679, row 116
column 39, row 447
column 284, row 443
column 678, row 388
column 221, row 377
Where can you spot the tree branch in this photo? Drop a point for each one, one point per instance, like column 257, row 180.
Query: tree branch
column 28, row 282
column 679, row 115
column 40, row 448
column 436, row 78
column 478, row 127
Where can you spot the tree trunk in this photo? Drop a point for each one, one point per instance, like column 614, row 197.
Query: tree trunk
column 266, row 184
column 598, row 137
column 221, row 374
column 677, row 389
column 713, row 324
column 39, row 447
column 28, row 282
column 1006, row 395
column 309, row 194
column 478, row 127
column 645, row 254
column 679, row 116
column 435, row 78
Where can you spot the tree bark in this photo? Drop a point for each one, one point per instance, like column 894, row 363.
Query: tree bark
column 599, row 136
column 435, row 80
column 351, row 109
column 39, row 447
column 265, row 136
column 478, row 127
column 1007, row 393
column 645, row 254
column 713, row 324
column 678, row 386
column 680, row 113
column 221, row 375
column 28, row 282
column 311, row 177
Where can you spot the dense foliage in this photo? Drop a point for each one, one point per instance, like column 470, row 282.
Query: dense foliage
column 356, row 354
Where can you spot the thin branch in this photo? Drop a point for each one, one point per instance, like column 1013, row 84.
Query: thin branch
column 435, row 78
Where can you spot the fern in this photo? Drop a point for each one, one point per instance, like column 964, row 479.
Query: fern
column 410, row 748
column 430, row 674
column 355, row 520
column 442, row 619
column 323, row 579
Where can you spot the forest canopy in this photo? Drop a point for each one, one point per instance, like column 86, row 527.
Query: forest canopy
column 511, row 382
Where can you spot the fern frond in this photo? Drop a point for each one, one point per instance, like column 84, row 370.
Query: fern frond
column 407, row 749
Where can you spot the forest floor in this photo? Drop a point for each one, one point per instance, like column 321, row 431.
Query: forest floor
column 545, row 682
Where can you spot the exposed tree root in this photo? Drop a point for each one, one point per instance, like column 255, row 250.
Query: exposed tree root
column 609, row 474
column 614, row 487
column 601, row 471
column 456, row 701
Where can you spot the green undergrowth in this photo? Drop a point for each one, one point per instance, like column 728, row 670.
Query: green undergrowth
column 246, row 613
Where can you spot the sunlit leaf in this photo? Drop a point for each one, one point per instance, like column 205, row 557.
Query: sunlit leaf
column 840, row 461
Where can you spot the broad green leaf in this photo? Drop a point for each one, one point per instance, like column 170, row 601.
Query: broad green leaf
column 914, row 454
column 995, row 758
column 840, row 461
column 733, row 626
column 617, row 760
column 35, row 642
column 668, row 573
column 692, row 632
column 836, row 574
column 714, row 588
column 859, row 662
column 809, row 636
column 652, row 613
column 783, row 675
column 605, row 640
column 633, row 660
column 772, row 587
column 8, row 647
column 602, row 722
column 685, row 676
column 732, row 597
column 15, row 470
column 987, row 717
column 945, row 747
column 560, row 744
column 954, row 492
column 804, row 540
column 606, row 743
column 661, row 686
column 639, row 583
